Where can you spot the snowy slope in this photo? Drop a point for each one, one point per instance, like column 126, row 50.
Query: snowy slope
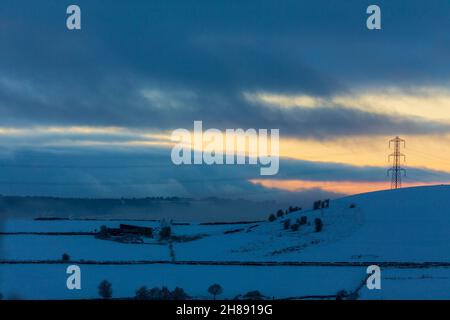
column 410, row 224
column 405, row 225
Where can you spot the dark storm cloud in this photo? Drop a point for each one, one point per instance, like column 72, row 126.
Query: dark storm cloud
column 197, row 58
column 86, row 172
column 121, row 104
column 322, row 171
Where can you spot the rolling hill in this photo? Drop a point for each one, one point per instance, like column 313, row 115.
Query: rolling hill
column 405, row 231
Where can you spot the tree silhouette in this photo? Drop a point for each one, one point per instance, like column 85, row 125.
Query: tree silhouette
column 105, row 289
column 215, row 290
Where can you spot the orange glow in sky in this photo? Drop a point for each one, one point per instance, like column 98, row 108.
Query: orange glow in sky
column 342, row 187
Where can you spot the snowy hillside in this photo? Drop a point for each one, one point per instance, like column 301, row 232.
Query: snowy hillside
column 410, row 225
column 403, row 226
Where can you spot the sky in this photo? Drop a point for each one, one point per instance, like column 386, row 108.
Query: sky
column 89, row 113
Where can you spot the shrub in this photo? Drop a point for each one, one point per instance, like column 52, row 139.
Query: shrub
column 165, row 293
column 179, row 294
column 341, row 295
column 142, row 294
column 105, row 289
column 65, row 257
column 272, row 218
column 253, row 295
column 318, row 224
column 352, row 206
column 286, row 224
column 154, row 293
column 280, row 213
column 353, row 296
column 317, row 205
column 215, row 290
column 295, row 227
column 161, row 294
column 165, row 233
column 303, row 220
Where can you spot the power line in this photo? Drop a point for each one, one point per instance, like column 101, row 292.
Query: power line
column 396, row 170
column 55, row 166
column 429, row 156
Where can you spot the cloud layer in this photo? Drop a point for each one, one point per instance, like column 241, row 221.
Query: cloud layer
column 72, row 103
column 164, row 64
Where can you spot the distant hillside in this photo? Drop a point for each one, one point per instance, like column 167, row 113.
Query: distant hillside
column 179, row 209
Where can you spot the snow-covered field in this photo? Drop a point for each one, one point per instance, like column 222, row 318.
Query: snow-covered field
column 405, row 225
column 274, row 281
column 49, row 281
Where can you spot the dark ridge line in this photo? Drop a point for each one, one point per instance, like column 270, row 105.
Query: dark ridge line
column 231, row 222
column 69, row 233
column 312, row 297
column 391, row 264
column 92, row 219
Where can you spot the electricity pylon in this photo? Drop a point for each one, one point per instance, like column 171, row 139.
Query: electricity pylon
column 396, row 170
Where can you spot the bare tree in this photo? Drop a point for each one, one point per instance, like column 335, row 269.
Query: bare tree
column 215, row 290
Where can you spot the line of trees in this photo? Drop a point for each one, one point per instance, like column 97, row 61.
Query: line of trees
column 280, row 213
column 156, row 293
column 163, row 293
